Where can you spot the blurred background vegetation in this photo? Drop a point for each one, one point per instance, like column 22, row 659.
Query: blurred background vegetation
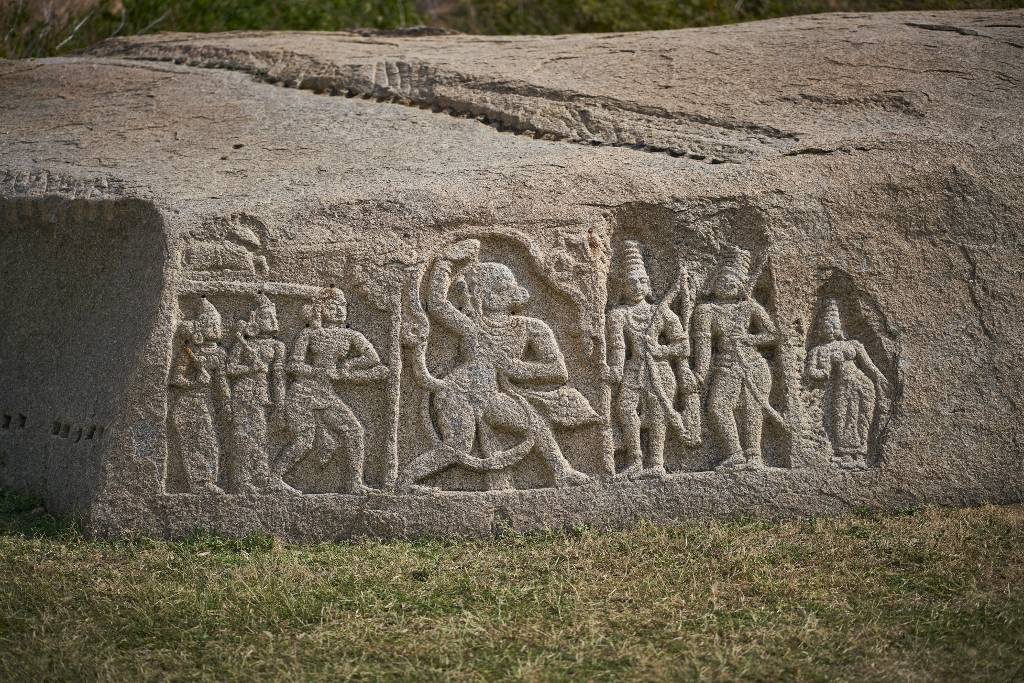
column 39, row 28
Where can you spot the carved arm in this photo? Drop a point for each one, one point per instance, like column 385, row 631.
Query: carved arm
column 297, row 361
column 438, row 304
column 616, row 346
column 702, row 343
column 818, row 364
column 668, row 323
column 550, row 364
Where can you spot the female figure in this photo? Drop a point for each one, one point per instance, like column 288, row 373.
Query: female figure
column 256, row 366
column 857, row 383
column 199, row 375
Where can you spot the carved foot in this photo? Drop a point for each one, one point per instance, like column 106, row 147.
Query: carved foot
column 283, row 486
column 656, row 472
column 848, row 462
column 210, row 487
column 572, row 478
column 358, row 489
column 733, row 462
column 630, row 471
column 420, row 489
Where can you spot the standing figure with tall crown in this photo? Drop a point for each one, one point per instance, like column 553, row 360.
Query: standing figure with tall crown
column 857, row 384
column 640, row 363
column 728, row 330
column 256, row 365
column 202, row 400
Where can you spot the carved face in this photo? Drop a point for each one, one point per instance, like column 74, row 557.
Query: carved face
column 266, row 318
column 728, row 285
column 638, row 286
column 209, row 328
column 334, row 310
column 833, row 327
column 499, row 289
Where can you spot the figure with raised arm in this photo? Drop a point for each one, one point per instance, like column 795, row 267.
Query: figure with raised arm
column 256, row 366
column 644, row 339
column 509, row 376
column 729, row 330
column 857, row 384
column 201, row 402
column 325, row 354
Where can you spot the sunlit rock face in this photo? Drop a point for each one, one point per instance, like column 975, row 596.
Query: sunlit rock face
column 333, row 285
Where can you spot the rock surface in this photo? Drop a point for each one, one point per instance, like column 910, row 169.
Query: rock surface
column 456, row 285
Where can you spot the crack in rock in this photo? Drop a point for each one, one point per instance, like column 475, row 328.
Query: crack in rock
column 972, row 288
column 961, row 30
column 511, row 106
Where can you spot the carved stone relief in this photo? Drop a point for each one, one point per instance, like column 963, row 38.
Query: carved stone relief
column 495, row 363
column 507, row 380
column 855, row 393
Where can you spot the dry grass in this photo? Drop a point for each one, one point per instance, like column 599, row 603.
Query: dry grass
column 40, row 28
column 931, row 596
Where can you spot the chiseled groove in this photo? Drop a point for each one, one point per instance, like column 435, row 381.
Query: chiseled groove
column 414, row 84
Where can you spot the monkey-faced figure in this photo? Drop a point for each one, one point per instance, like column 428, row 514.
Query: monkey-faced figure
column 501, row 354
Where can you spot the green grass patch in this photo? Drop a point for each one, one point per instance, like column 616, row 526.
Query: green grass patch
column 27, row 29
column 933, row 595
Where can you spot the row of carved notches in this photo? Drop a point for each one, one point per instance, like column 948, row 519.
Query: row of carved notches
column 9, row 422
column 66, row 430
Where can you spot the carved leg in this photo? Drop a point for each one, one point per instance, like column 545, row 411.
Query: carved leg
column 691, row 420
column 656, row 430
column 456, row 421
column 565, row 473
column 343, row 421
column 249, row 463
column 303, row 426
column 502, row 413
column 751, row 427
column 197, row 438
column 723, row 396
column 627, row 413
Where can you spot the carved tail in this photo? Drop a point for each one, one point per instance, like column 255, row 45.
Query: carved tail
column 416, row 330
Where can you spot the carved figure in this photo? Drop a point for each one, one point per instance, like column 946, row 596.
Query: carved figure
column 236, row 252
column 857, row 384
column 201, row 402
column 256, row 366
column 642, row 367
column 727, row 359
column 325, row 354
column 509, row 376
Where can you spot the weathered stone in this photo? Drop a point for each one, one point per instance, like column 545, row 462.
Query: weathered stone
column 780, row 275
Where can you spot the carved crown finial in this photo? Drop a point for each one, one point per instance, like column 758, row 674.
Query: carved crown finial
column 735, row 262
column 264, row 304
column 208, row 312
column 634, row 258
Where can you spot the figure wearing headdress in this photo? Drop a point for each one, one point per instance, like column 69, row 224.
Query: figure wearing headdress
column 256, row 367
column 856, row 386
column 644, row 339
column 201, row 402
column 326, row 354
column 509, row 377
column 729, row 330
